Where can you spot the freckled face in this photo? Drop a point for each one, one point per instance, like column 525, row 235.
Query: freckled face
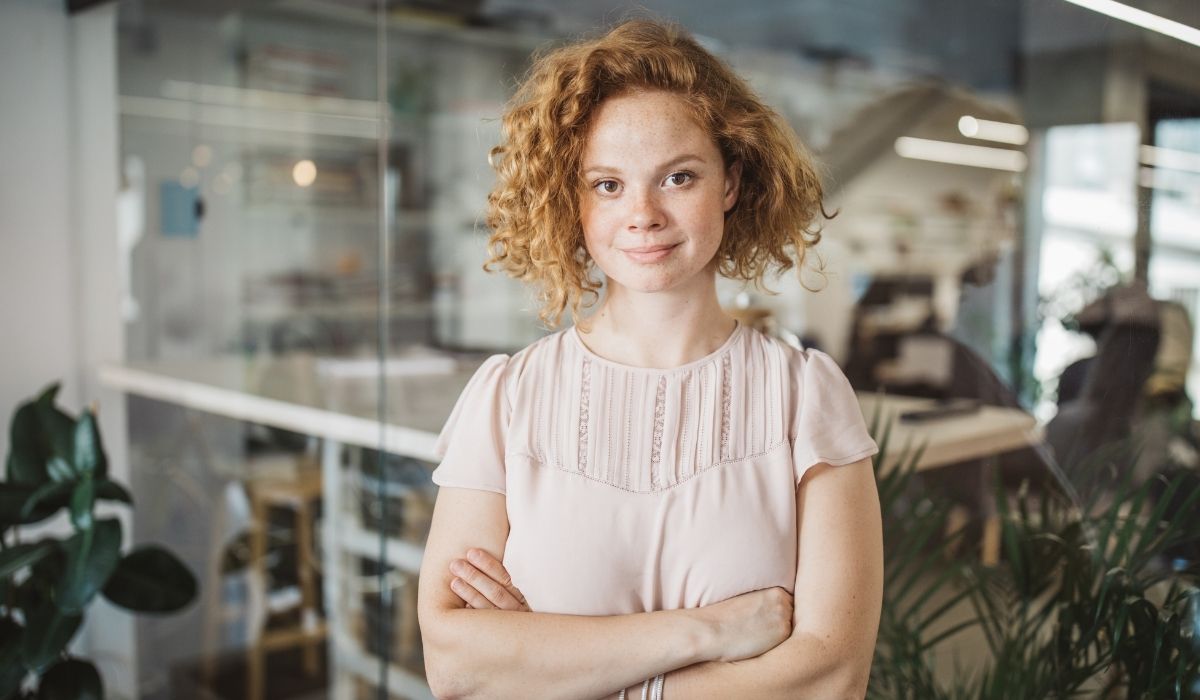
column 655, row 192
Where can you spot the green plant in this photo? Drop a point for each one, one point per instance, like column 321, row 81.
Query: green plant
column 1090, row 599
column 56, row 462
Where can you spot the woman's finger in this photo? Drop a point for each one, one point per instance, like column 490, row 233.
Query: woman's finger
column 491, row 566
column 470, row 596
column 498, row 596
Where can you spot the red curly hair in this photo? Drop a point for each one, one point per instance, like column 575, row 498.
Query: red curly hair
column 533, row 211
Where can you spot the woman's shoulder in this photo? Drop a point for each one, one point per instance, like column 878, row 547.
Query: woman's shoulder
column 550, row 349
column 543, row 357
column 767, row 347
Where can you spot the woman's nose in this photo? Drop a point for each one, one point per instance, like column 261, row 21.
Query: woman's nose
column 646, row 212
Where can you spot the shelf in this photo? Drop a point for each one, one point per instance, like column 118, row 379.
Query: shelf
column 414, row 25
column 400, row 681
column 264, row 311
column 357, row 540
column 365, row 212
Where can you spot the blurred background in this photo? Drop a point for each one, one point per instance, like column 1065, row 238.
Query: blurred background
column 250, row 232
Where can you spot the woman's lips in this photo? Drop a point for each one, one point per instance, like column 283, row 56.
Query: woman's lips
column 650, row 254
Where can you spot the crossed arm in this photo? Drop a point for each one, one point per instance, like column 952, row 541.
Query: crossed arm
column 487, row 651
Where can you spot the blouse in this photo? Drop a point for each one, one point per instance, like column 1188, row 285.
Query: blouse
column 633, row 489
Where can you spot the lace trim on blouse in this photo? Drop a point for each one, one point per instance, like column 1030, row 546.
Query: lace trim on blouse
column 625, row 475
column 584, row 400
column 726, row 400
column 660, row 410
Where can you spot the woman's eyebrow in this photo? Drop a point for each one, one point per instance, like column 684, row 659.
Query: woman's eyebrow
column 676, row 161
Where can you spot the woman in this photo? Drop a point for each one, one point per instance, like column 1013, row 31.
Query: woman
column 634, row 502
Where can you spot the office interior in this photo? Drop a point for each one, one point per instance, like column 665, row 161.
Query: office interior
column 249, row 236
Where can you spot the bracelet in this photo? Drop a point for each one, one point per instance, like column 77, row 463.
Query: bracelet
column 653, row 686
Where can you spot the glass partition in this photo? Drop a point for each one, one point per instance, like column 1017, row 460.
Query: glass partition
column 253, row 143
column 302, row 234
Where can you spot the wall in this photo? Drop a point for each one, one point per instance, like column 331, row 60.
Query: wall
column 36, row 279
column 58, row 183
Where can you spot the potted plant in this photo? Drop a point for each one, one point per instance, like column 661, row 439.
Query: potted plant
column 56, row 462
column 1091, row 598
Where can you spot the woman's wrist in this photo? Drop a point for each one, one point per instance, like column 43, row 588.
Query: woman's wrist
column 703, row 635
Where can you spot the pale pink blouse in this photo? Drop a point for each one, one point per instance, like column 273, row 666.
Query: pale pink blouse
column 631, row 489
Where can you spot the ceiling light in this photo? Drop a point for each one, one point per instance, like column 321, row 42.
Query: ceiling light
column 961, row 154
column 988, row 130
column 189, row 177
column 1170, row 158
column 1143, row 19
column 304, row 173
column 201, row 156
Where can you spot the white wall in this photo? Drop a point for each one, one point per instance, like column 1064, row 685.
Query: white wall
column 58, row 285
column 36, row 281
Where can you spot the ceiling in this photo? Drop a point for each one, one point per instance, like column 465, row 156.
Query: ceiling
column 973, row 43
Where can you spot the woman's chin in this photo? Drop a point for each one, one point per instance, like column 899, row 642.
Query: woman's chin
column 646, row 283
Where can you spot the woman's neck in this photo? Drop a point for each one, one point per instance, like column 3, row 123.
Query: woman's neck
column 657, row 331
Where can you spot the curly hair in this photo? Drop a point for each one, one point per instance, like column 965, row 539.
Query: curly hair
column 533, row 211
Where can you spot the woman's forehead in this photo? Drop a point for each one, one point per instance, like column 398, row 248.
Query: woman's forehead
column 649, row 124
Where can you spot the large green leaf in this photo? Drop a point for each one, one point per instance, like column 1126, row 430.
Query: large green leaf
column 16, row 558
column 59, row 469
column 12, row 502
column 89, row 451
column 108, row 490
column 91, row 558
column 71, row 679
column 151, row 579
column 48, row 631
column 83, row 497
column 58, row 426
column 38, row 589
column 11, row 670
column 42, row 439
column 47, row 499
column 26, row 463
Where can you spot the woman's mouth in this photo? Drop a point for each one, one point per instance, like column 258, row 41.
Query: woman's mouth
column 649, row 254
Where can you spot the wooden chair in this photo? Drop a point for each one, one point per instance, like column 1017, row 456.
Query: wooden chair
column 297, row 494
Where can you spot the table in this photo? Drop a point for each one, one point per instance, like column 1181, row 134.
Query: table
column 992, row 430
column 989, row 431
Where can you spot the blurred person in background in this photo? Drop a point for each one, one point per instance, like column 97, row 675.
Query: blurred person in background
column 1125, row 413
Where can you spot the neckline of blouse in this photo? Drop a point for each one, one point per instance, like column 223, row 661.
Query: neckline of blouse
column 733, row 336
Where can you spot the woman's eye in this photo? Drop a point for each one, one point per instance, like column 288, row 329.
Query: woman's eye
column 607, row 187
column 679, row 179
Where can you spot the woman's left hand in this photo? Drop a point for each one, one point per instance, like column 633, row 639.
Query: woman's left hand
column 483, row 583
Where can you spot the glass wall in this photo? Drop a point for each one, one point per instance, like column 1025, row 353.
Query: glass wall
column 301, row 230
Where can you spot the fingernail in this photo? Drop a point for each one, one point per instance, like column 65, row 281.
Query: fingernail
column 455, row 583
column 456, row 567
column 474, row 555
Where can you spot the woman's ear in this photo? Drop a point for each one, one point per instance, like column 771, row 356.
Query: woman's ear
column 733, row 182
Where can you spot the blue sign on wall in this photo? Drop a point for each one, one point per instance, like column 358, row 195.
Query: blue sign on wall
column 179, row 209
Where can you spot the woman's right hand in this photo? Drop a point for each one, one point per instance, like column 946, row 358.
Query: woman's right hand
column 750, row 624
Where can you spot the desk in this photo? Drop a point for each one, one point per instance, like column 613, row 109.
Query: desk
column 989, row 431
column 992, row 430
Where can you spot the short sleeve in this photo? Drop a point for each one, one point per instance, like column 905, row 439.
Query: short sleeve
column 471, row 444
column 828, row 423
